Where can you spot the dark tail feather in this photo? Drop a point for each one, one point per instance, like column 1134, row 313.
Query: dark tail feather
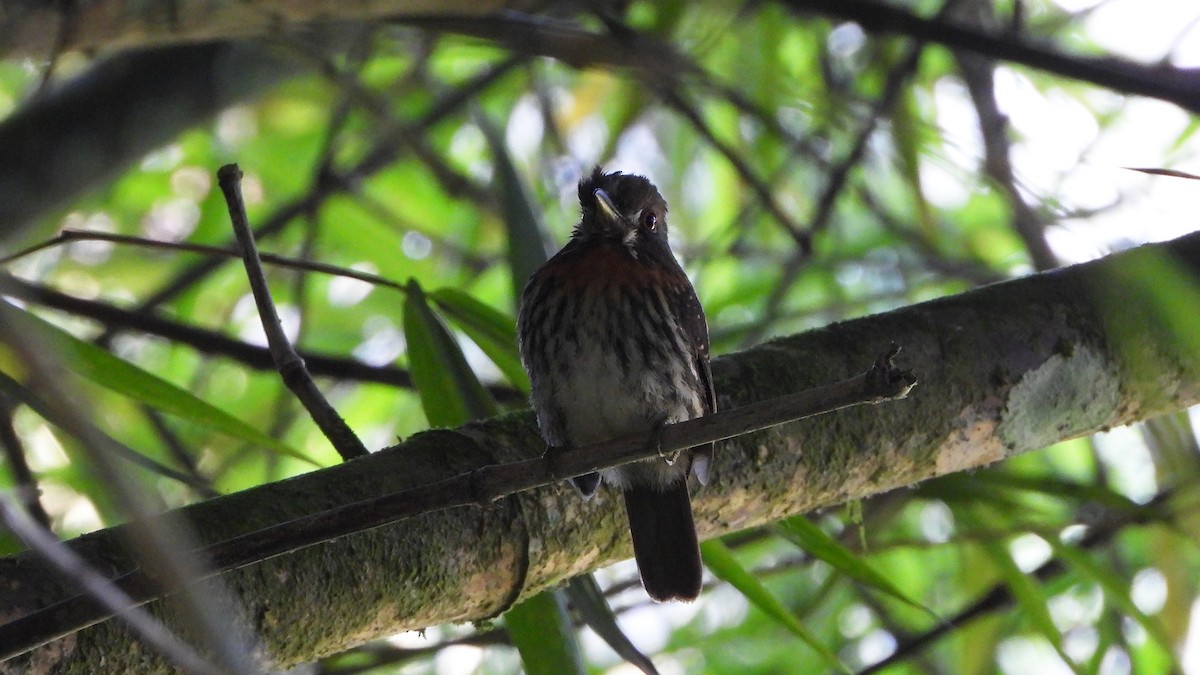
column 664, row 541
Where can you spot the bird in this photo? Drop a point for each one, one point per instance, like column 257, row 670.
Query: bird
column 615, row 342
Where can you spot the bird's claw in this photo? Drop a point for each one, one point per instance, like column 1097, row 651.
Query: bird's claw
column 656, row 434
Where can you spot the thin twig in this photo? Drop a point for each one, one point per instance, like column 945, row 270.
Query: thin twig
column 838, row 177
column 14, row 453
column 290, row 365
column 218, row 344
column 802, row 236
column 68, row 235
column 481, row 487
column 177, row 449
column 101, row 589
column 330, row 184
column 977, row 74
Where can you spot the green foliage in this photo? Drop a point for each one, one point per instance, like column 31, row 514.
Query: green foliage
column 100, row 367
column 817, row 543
column 542, row 632
column 390, row 158
column 450, row 393
column 720, row 561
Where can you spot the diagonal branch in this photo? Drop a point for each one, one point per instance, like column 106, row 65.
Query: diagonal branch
column 1008, row 368
column 1175, row 85
column 479, row 487
column 289, row 364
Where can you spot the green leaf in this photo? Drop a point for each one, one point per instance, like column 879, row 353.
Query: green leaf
column 588, row 600
column 1152, row 299
column 85, row 431
column 522, row 218
column 1025, row 591
column 1115, row 589
column 906, row 134
column 720, row 561
column 973, row 490
column 99, row 366
column 1028, row 596
column 803, row 533
column 1061, row 488
column 450, row 393
column 544, row 635
column 492, row 330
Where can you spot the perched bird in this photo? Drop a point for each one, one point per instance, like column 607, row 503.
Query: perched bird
column 615, row 342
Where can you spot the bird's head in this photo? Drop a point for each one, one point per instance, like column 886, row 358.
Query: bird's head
column 622, row 207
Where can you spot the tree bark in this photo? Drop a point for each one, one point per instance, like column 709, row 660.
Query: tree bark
column 1004, row 369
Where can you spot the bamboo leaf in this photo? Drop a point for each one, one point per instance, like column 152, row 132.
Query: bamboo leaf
column 1025, row 591
column 544, row 635
column 522, row 218
column 59, row 418
column 493, row 331
column 720, row 561
column 805, row 534
column 450, row 393
column 587, row 599
column 115, row 374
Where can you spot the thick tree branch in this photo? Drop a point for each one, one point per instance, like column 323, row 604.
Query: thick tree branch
column 1006, row 369
column 479, row 487
column 40, row 539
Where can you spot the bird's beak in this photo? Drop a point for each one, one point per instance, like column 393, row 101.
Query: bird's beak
column 605, row 205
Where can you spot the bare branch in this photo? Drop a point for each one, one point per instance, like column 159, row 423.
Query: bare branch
column 287, row 361
column 102, row 590
column 1175, row 85
column 14, row 453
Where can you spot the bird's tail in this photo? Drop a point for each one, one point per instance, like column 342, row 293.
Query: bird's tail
column 664, row 540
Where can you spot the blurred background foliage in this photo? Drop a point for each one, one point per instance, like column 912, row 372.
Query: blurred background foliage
column 814, row 173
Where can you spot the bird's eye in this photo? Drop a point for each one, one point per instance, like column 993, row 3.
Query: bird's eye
column 649, row 221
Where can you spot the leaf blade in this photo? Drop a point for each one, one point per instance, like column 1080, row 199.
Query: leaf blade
column 450, row 393
column 544, row 635
column 720, row 561
column 812, row 539
column 115, row 374
column 493, row 331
